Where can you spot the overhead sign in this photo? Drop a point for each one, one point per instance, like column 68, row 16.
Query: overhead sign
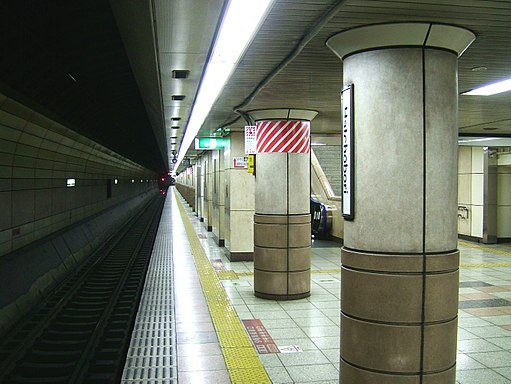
column 209, row 143
column 250, row 139
column 348, row 174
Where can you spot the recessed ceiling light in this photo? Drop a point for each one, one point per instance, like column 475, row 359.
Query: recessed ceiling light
column 178, row 97
column 491, row 89
column 479, row 69
column 180, row 73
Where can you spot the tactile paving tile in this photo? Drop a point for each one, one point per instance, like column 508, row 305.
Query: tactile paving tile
column 244, row 376
column 151, row 381
column 228, row 274
column 485, row 265
column 239, row 353
column 486, row 249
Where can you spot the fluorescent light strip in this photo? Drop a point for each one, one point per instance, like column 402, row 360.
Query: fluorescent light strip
column 491, row 89
column 235, row 34
column 476, row 140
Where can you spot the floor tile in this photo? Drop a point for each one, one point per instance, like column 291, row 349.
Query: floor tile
column 484, row 303
column 327, row 342
column 477, row 345
column 493, row 359
column 204, row 377
column 499, row 320
column 313, row 321
column 196, row 337
column 311, row 373
column 464, row 362
column 290, row 332
column 480, row 376
column 506, row 372
column 305, row 344
column 270, row 360
column 303, row 358
column 473, row 322
column 333, row 355
column 491, row 331
column 207, row 349
column 201, row 363
column 279, row 375
column 322, row 331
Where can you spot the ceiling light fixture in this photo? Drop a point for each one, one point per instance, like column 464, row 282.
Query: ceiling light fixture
column 234, row 36
column 180, row 74
column 477, row 140
column 491, row 89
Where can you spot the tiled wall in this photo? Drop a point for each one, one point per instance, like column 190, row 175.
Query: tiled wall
column 504, row 202
column 471, row 194
column 470, row 191
column 329, row 156
column 37, row 156
column 239, row 200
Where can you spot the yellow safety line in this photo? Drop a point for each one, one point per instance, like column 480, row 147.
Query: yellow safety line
column 485, row 265
column 484, row 248
column 312, row 271
column 242, row 361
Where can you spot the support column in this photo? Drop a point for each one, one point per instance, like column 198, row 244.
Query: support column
column 490, row 196
column 399, row 278
column 239, row 202
column 282, row 232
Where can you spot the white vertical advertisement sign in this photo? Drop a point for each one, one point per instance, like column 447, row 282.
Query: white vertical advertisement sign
column 348, row 195
column 250, row 139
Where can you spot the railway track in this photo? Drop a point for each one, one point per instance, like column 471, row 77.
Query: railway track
column 81, row 332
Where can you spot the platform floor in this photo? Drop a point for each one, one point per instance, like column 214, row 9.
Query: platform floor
column 202, row 311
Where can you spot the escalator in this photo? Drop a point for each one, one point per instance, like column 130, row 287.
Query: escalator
column 326, row 219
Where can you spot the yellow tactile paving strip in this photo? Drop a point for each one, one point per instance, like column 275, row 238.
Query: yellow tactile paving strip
column 240, row 357
column 485, row 248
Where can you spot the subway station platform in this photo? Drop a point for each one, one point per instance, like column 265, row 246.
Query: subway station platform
column 199, row 321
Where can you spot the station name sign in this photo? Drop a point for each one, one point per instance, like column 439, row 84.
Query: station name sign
column 348, row 195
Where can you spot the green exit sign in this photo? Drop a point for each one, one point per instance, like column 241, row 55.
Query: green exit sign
column 209, row 143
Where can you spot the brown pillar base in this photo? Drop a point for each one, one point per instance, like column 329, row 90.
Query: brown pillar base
column 354, row 375
column 282, row 256
column 282, row 297
column 388, row 334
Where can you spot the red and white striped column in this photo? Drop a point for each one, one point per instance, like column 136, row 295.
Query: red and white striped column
column 282, row 232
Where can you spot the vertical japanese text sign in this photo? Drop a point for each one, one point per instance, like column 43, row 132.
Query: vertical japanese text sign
column 348, row 173
column 250, row 139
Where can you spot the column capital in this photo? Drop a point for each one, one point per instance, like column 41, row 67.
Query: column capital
column 403, row 34
column 282, row 114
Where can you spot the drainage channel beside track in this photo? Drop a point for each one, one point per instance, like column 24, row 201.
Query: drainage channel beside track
column 81, row 332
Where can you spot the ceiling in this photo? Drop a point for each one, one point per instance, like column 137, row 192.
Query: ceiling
column 122, row 55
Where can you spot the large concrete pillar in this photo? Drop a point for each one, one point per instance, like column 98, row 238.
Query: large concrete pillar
column 239, row 202
column 282, row 232
column 399, row 279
